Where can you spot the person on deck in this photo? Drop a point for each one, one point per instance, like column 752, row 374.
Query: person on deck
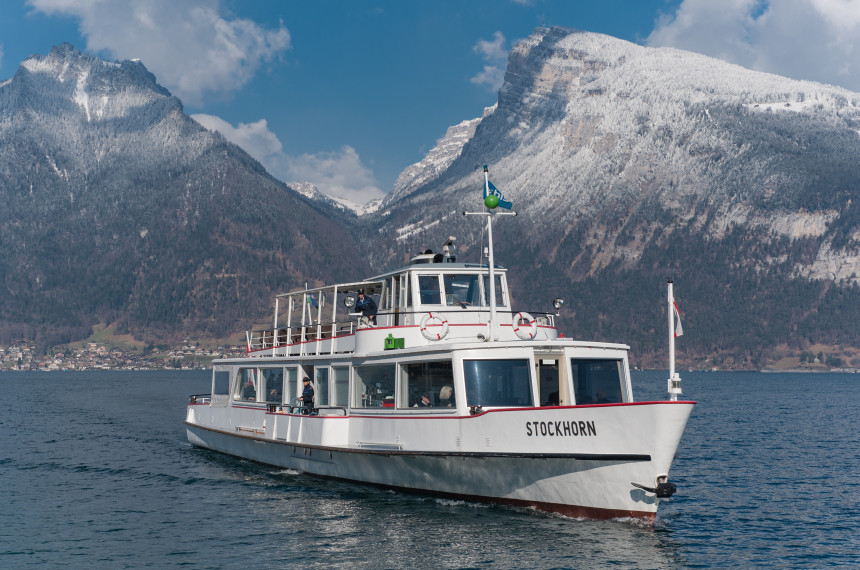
column 423, row 401
column 307, row 398
column 366, row 306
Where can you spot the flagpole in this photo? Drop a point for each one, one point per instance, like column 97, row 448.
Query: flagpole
column 492, row 332
column 671, row 313
column 674, row 383
column 491, row 259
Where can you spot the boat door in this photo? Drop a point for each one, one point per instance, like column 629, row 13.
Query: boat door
column 552, row 386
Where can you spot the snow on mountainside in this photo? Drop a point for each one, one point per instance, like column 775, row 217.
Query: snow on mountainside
column 311, row 192
column 597, row 124
column 623, row 160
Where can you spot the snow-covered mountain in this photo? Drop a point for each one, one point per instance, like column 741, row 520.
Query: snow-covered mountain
column 628, row 163
column 119, row 208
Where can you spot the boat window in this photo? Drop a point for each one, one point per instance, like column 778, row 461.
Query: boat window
column 597, row 381
column 428, row 285
column 273, row 384
column 292, row 384
column 321, row 387
column 246, row 385
column 435, row 380
column 501, row 300
column 373, row 386
column 221, row 382
column 462, row 290
column 341, row 386
column 498, row 382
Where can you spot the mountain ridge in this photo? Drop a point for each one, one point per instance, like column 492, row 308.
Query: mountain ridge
column 122, row 209
column 634, row 165
column 627, row 165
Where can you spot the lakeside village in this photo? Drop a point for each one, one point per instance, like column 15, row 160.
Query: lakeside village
column 97, row 356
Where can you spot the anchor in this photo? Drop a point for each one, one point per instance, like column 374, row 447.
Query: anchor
column 663, row 490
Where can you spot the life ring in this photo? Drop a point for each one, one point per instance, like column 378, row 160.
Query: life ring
column 520, row 330
column 432, row 335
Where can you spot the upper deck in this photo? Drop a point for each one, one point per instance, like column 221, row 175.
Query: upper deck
column 430, row 302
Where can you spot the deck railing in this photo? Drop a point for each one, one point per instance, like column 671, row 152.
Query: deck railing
column 331, row 337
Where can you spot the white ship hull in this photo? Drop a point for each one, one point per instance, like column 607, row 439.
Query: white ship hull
column 531, row 458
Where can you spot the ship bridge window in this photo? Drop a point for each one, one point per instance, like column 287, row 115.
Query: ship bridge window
column 597, row 381
column 373, row 386
column 461, row 290
column 246, row 385
column 501, row 298
column 273, row 384
column 428, row 287
column 498, row 383
column 434, row 379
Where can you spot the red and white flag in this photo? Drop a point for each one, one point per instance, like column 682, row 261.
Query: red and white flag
column 679, row 330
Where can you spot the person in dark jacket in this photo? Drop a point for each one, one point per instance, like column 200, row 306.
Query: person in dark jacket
column 366, row 306
column 307, row 397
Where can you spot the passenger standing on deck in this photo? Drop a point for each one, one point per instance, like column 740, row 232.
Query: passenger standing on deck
column 366, row 306
column 307, row 397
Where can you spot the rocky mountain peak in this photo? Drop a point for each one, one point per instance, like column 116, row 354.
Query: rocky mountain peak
column 99, row 90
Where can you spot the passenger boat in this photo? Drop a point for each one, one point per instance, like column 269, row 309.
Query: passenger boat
column 515, row 412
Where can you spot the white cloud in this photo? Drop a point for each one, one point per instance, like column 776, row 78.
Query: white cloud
column 492, row 75
column 190, row 46
column 338, row 174
column 496, row 55
column 815, row 40
column 255, row 138
column 492, row 50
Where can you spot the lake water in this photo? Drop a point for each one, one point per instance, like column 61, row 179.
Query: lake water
column 95, row 472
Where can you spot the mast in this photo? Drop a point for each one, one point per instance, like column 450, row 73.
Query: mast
column 674, row 383
column 491, row 260
column 491, row 325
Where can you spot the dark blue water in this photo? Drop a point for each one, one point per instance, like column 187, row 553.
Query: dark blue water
column 95, row 472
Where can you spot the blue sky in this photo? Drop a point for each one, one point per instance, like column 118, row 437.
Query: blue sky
column 346, row 94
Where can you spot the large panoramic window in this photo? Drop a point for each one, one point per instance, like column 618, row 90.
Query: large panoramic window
column 597, row 381
column 427, row 384
column 246, row 385
column 498, row 383
column 373, row 386
column 273, row 384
